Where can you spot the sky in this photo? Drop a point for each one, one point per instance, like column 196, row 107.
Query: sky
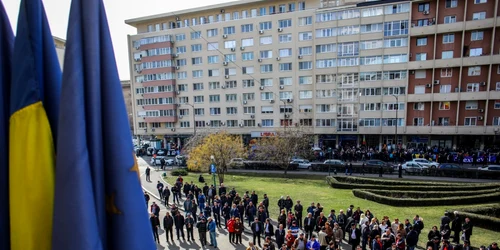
column 117, row 11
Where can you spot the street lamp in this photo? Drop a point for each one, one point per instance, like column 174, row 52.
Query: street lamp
column 213, row 169
column 396, row 127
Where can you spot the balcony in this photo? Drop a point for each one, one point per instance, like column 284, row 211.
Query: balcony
column 450, row 27
column 494, row 95
column 448, row 63
column 476, row 60
column 158, row 83
column 160, row 119
column 159, row 107
column 471, row 130
column 159, row 95
column 467, row 96
column 419, row 98
column 371, row 130
column 479, row 24
column 445, row 130
column 428, row 64
column 439, row 97
column 422, row 30
column 414, row 130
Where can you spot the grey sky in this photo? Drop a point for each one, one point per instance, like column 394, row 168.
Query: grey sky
column 117, row 11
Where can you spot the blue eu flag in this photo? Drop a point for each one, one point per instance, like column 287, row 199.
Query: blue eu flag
column 99, row 202
column 6, row 48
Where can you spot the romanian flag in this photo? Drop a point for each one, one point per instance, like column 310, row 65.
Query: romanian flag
column 6, row 47
column 34, row 105
column 99, row 202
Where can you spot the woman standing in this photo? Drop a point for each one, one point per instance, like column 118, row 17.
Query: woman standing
column 238, row 230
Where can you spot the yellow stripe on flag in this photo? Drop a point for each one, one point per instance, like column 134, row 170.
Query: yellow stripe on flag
column 31, row 173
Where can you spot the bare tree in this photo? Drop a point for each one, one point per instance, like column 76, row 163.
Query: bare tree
column 281, row 148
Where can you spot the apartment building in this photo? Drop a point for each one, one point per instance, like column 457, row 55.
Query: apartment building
column 351, row 72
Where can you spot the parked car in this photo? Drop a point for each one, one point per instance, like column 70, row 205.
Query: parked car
column 180, row 160
column 449, row 166
column 413, row 167
column 334, row 162
column 378, row 163
column 161, row 152
column 157, row 161
column 237, row 163
column 302, row 164
column 491, row 168
column 425, row 162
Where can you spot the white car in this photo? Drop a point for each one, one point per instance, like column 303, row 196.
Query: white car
column 168, row 162
column 303, row 164
column 425, row 162
column 414, row 167
column 491, row 168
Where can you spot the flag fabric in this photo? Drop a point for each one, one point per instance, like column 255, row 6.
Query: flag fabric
column 34, row 105
column 99, row 202
column 6, row 47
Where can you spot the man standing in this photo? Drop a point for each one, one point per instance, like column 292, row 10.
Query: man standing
column 354, row 236
column 202, row 231
column 467, row 229
column 179, row 225
column 189, row 222
column 146, row 198
column 309, row 225
column 312, row 244
column 148, row 174
column 168, row 225
column 257, row 228
column 216, row 210
column 155, row 209
column 265, row 202
column 211, row 227
column 159, row 187
column 456, row 227
column 280, row 235
column 298, row 212
column 188, row 206
column 155, row 223
column 400, row 170
column 166, row 196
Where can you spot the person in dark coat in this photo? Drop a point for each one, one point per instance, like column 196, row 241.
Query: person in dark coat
column 298, row 212
column 202, row 231
column 411, row 239
column 166, row 196
column 434, row 232
column 456, row 227
column 434, row 243
column 168, row 225
column 155, row 224
column 179, row 225
column 400, row 170
column 257, row 229
column 467, row 229
column 308, row 226
column 280, row 235
column 445, row 220
column 354, row 236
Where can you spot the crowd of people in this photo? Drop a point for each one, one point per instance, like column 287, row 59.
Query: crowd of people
column 297, row 227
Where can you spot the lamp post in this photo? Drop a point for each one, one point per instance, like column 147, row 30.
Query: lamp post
column 396, row 127
column 194, row 122
column 213, row 169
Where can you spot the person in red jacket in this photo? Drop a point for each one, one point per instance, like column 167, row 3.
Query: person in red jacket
column 230, row 228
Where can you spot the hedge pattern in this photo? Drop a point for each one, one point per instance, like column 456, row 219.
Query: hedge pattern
column 484, row 217
column 431, row 194
column 392, row 182
column 341, row 183
column 415, row 202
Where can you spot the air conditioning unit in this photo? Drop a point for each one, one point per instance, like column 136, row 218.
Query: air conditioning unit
column 224, row 63
column 261, row 32
column 280, row 29
column 241, row 125
column 207, row 124
column 176, row 55
column 137, row 47
column 259, row 60
column 287, row 116
column 223, row 86
column 177, row 18
column 271, row 101
column 252, row 116
column 173, row 129
column 289, row 100
column 242, row 48
column 426, row 12
column 226, row 76
column 222, row 11
column 481, row 110
column 261, row 87
column 483, row 83
column 282, row 87
column 258, row 124
column 172, row 42
column 412, row 72
column 480, row 118
column 223, row 123
column 278, row 58
column 233, row 49
column 178, row 92
column 245, row 102
column 177, row 67
column 137, row 59
column 428, row 85
column 224, row 36
column 300, row 56
column 180, row 117
column 139, row 71
column 436, row 82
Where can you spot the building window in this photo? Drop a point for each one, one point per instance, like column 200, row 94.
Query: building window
column 447, row 54
column 305, row 94
column 448, row 38
column 396, row 28
column 444, row 105
column 286, row 81
column 285, row 52
column 419, row 89
column 497, row 105
column 422, row 41
column 471, row 105
column 266, row 54
column 214, row 111
column 212, row 32
column 213, row 46
column 213, row 59
column 267, row 123
column 476, row 52
column 264, row 40
column 265, row 25
column 475, row 71
column 479, row 16
column 214, row 98
column 214, row 85
column 446, row 88
column 421, row 57
column 285, row 23
column 230, row 57
column 248, row 70
column 472, row 87
column 305, row 80
column 305, row 65
column 418, row 106
column 443, row 121
column 423, row 7
column 305, row 36
column 420, row 74
column 451, row 3
column 247, row 42
column 285, row 38
column 497, row 86
column 496, row 121
column 195, row 35
column 230, row 44
column 231, row 97
column 477, row 35
column 197, row 86
column 266, row 109
column 266, row 68
column 247, row 56
column 480, row 1
column 197, row 73
column 305, row 51
column 249, row 110
column 245, row 28
column 446, row 72
column 470, row 121
column 418, row 121
column 229, row 30
column 196, row 47
column 450, row 19
column 303, row 21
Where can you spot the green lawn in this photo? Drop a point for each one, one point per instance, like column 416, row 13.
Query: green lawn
column 317, row 190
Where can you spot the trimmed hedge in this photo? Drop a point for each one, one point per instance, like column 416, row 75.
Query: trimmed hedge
column 320, row 167
column 484, row 217
column 421, row 202
column 393, row 182
column 431, row 194
column 177, row 172
column 340, row 182
column 263, row 165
